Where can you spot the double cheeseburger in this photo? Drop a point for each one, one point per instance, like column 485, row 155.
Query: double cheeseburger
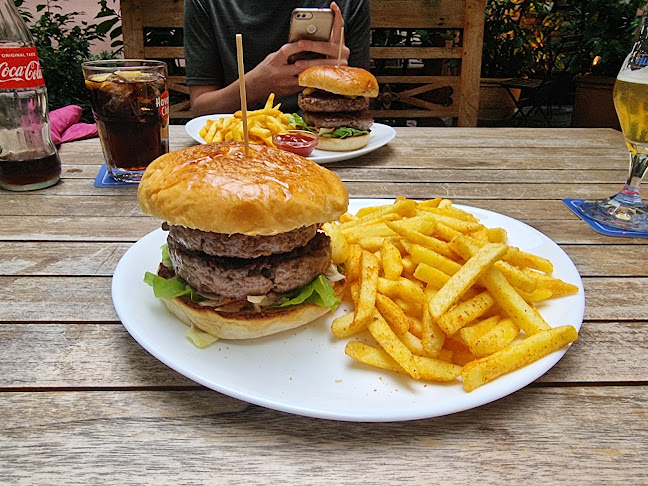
column 335, row 103
column 246, row 257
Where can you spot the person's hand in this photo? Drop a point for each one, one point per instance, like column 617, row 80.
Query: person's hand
column 276, row 75
column 330, row 49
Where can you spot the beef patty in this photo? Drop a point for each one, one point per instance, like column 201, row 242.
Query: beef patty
column 237, row 278
column 360, row 120
column 239, row 245
column 323, row 101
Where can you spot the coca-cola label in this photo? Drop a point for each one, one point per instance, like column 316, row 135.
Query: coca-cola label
column 19, row 68
column 163, row 105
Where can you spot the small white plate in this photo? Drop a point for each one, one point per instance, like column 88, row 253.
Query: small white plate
column 305, row 371
column 380, row 135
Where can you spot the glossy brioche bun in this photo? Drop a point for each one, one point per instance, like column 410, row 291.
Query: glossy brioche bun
column 334, row 144
column 247, row 325
column 342, row 80
column 215, row 187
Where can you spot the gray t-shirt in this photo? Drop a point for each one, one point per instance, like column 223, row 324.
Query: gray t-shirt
column 210, row 28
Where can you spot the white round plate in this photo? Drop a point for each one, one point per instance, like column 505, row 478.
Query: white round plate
column 380, row 135
column 305, row 371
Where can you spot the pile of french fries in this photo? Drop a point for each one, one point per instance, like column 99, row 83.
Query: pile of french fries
column 262, row 125
column 442, row 295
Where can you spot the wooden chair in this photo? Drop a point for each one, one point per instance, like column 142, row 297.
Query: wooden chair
column 417, row 80
column 421, row 82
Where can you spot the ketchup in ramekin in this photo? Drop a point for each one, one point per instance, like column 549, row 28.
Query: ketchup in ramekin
column 299, row 142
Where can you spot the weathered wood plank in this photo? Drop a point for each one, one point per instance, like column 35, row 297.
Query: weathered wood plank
column 62, row 259
column 66, row 356
column 190, row 437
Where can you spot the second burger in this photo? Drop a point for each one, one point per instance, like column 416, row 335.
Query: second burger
column 335, row 103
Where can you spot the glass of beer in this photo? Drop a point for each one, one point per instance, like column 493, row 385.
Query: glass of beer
column 626, row 210
column 130, row 104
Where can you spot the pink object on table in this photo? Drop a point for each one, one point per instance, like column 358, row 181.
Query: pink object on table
column 65, row 126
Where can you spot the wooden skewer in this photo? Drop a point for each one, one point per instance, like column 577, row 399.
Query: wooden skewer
column 340, row 46
column 241, row 73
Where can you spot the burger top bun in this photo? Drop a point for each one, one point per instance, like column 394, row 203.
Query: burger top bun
column 215, row 187
column 342, row 80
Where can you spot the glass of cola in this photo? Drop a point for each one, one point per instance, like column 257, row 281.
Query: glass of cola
column 130, row 104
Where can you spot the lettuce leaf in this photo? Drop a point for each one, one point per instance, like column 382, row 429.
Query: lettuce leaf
column 169, row 288
column 199, row 338
column 344, row 132
column 341, row 132
column 318, row 292
column 297, row 121
column 166, row 259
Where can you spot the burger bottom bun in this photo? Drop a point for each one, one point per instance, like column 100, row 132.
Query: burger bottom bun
column 343, row 144
column 247, row 325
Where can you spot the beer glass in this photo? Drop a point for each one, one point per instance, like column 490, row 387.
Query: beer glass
column 626, row 210
column 130, row 104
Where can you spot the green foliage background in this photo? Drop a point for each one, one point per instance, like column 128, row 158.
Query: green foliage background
column 63, row 44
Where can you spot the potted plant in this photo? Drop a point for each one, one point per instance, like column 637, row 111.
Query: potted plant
column 603, row 32
column 514, row 35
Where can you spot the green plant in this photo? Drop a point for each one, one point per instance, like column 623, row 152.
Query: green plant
column 603, row 32
column 63, row 44
column 510, row 38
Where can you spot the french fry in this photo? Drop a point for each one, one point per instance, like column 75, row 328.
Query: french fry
column 524, row 259
column 404, row 289
column 515, row 356
column 458, row 224
column 430, row 369
column 438, row 291
column 368, row 289
column 553, row 284
column 413, row 343
column 430, row 275
column 464, row 313
column 470, row 334
column 465, row 277
column 339, row 245
column 262, row 125
column 392, row 345
column 512, row 303
column 516, row 277
column 392, row 262
column 393, row 314
column 421, row 254
column 500, row 336
column 432, row 337
column 353, row 262
column 341, row 326
column 496, row 235
column 419, row 238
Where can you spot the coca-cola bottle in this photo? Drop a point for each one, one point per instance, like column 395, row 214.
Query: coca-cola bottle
column 28, row 158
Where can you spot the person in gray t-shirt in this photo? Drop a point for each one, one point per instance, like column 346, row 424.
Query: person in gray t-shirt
column 210, row 28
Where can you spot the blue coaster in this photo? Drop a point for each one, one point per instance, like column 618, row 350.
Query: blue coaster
column 104, row 179
column 600, row 228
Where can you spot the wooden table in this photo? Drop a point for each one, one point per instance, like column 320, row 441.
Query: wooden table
column 82, row 403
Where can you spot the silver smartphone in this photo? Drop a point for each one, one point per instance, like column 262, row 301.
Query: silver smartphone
column 313, row 24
